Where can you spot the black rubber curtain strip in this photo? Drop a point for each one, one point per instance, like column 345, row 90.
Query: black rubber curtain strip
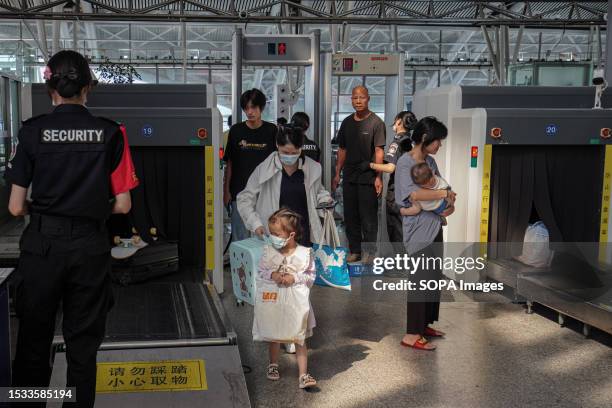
column 140, row 212
column 562, row 183
column 171, row 199
column 154, row 189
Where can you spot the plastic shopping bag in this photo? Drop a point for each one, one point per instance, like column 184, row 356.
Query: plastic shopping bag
column 281, row 313
column 330, row 257
column 536, row 251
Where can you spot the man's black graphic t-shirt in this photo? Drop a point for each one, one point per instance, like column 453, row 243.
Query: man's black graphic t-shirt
column 247, row 148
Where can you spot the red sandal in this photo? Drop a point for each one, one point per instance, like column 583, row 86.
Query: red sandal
column 433, row 332
column 419, row 344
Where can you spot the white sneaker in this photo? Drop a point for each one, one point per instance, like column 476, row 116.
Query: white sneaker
column 290, row 348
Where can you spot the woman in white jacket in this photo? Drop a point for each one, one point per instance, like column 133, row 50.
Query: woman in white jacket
column 289, row 179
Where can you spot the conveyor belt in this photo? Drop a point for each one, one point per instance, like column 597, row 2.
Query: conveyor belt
column 170, row 311
column 167, row 323
column 162, row 311
column 164, row 314
column 507, row 270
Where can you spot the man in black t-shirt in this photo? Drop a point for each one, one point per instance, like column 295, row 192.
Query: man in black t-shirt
column 361, row 138
column 248, row 144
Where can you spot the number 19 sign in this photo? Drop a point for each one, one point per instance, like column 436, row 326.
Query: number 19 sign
column 147, row 131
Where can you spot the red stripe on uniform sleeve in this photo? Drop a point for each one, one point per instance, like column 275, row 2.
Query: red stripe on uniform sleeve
column 124, row 177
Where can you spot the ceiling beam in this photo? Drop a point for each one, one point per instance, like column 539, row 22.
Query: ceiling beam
column 548, row 18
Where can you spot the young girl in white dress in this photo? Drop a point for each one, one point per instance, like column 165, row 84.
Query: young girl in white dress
column 287, row 263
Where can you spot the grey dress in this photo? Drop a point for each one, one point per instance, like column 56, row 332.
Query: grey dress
column 419, row 230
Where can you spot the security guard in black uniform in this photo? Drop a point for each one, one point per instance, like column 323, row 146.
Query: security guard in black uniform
column 310, row 147
column 80, row 170
column 403, row 124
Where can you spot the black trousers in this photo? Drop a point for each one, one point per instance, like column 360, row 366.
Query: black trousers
column 68, row 263
column 420, row 314
column 394, row 223
column 360, row 214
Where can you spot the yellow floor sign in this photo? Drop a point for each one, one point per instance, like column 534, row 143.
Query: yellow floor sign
column 151, row 376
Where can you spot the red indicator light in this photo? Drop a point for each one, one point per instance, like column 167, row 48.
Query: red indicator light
column 496, row 133
column 347, row 64
column 474, row 152
column 605, row 133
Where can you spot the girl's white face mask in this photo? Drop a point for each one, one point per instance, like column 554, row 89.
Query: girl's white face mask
column 277, row 242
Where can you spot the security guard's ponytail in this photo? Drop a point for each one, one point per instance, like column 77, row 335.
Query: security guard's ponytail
column 408, row 120
column 67, row 72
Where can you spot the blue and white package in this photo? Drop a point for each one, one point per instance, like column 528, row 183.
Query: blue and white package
column 331, row 266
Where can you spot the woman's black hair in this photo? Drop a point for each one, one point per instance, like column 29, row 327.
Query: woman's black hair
column 69, row 73
column 290, row 134
column 255, row 97
column 300, row 119
column 428, row 130
column 408, row 119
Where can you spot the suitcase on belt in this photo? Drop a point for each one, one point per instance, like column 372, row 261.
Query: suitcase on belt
column 152, row 261
column 244, row 258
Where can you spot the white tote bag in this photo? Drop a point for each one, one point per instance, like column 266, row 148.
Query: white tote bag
column 281, row 313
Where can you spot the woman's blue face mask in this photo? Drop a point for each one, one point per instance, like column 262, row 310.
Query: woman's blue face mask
column 288, row 154
column 288, row 159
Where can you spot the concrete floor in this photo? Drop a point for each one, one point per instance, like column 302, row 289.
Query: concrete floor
column 494, row 355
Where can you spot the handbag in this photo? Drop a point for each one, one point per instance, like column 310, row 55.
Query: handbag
column 330, row 257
